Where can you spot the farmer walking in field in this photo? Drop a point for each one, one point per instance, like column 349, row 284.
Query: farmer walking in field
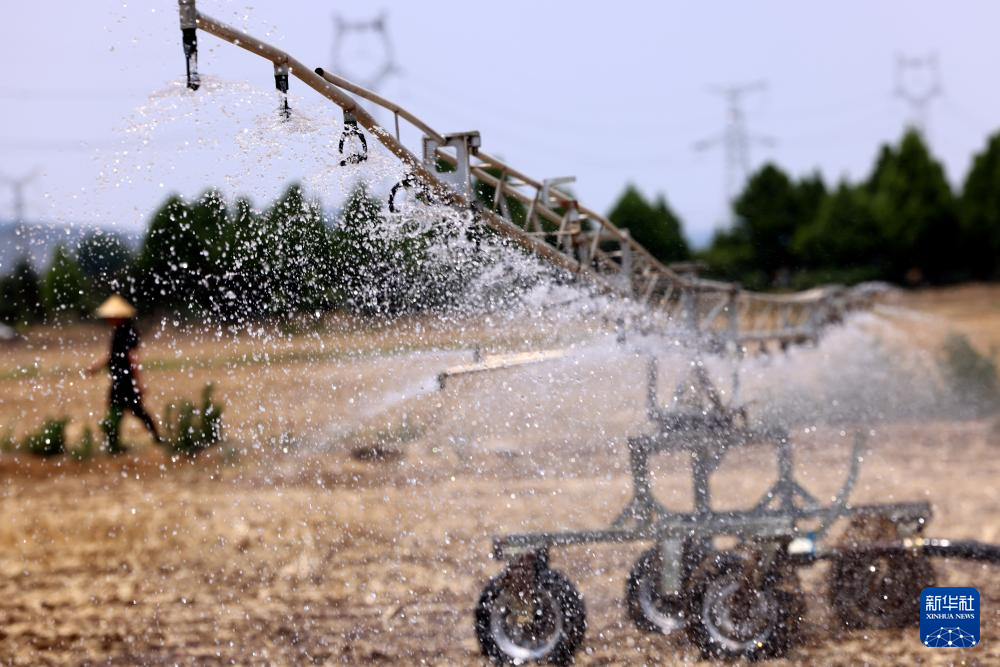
column 123, row 366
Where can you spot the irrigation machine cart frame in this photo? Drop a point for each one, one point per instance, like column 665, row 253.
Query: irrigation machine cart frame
column 727, row 579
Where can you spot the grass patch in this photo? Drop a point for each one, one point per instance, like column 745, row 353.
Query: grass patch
column 190, row 429
column 971, row 375
column 49, row 440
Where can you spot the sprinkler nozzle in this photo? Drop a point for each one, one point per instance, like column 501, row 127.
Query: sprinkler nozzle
column 281, row 83
column 351, row 129
column 189, row 37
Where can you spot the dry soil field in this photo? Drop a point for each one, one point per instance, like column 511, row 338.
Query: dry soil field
column 282, row 548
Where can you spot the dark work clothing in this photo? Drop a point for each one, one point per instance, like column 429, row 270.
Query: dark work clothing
column 125, row 395
column 124, row 392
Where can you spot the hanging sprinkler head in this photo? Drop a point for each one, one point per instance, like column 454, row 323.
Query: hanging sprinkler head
column 281, row 83
column 189, row 37
column 352, row 130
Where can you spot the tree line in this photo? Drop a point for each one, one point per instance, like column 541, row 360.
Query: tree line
column 206, row 258
column 209, row 260
column 903, row 224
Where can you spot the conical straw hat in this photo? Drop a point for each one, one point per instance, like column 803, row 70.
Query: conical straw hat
column 115, row 308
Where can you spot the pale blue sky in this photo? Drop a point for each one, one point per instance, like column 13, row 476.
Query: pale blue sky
column 609, row 92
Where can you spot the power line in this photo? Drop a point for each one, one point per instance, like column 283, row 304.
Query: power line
column 24, row 94
column 735, row 138
column 92, row 145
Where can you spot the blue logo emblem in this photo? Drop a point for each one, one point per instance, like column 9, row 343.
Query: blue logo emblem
column 949, row 616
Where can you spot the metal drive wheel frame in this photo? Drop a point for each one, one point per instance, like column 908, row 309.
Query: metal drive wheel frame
column 530, row 613
column 738, row 610
column 876, row 588
column 526, row 627
column 649, row 607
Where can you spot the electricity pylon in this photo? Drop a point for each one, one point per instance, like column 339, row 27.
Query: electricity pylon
column 735, row 138
column 386, row 65
column 918, row 83
column 17, row 186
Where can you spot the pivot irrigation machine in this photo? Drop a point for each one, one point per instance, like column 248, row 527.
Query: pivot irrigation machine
column 725, row 578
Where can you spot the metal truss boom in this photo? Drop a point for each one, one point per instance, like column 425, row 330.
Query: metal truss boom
column 551, row 223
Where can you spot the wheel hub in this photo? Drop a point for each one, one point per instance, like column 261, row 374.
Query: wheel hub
column 735, row 615
column 526, row 627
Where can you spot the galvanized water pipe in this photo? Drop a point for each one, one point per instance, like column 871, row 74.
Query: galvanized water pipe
column 412, row 163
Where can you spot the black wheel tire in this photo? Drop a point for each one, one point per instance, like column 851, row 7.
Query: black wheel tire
column 879, row 591
column 649, row 609
column 559, row 611
column 762, row 629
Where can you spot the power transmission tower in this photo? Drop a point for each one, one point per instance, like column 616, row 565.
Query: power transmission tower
column 918, row 83
column 735, row 138
column 385, row 66
column 17, row 186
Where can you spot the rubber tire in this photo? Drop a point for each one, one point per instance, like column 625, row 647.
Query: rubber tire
column 571, row 606
column 647, row 566
column 886, row 598
column 785, row 600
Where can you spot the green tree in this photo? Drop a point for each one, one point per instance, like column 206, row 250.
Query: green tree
column 245, row 259
column 298, row 251
column 915, row 211
column 812, row 193
column 207, row 260
column 21, row 295
column 65, row 289
column 206, row 257
column 669, row 233
column 980, row 213
column 162, row 274
column 372, row 267
column 759, row 249
column 181, row 264
column 388, row 264
column 104, row 259
column 844, row 240
column 654, row 226
column 770, row 210
column 731, row 255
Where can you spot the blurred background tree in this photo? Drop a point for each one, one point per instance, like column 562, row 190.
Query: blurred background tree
column 66, row 293
column 161, row 270
column 298, row 253
column 916, row 212
column 903, row 224
column 655, row 225
column 21, row 295
column 843, row 242
column 979, row 214
column 104, row 259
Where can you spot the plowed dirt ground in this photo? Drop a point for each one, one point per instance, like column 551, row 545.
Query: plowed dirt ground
column 299, row 553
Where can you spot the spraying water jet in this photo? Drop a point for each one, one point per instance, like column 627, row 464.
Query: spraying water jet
column 705, row 565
